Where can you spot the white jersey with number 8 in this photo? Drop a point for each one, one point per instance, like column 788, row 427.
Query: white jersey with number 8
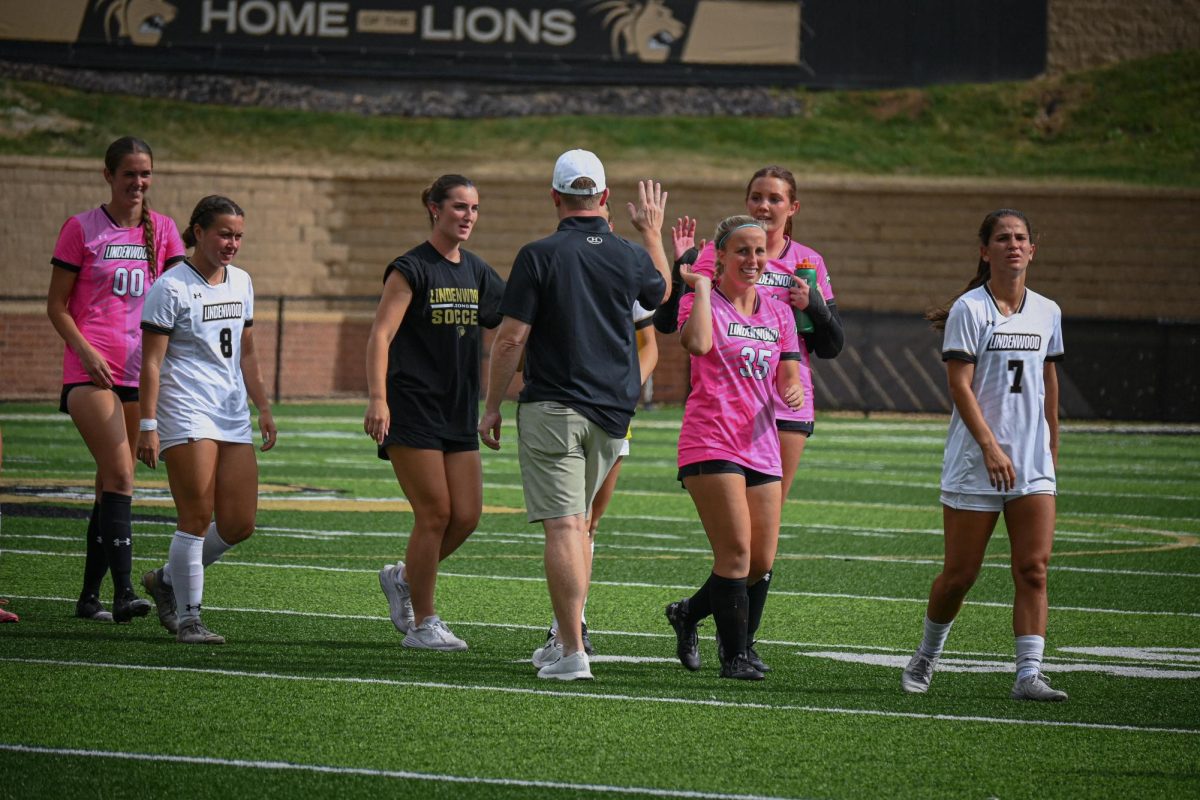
column 201, row 391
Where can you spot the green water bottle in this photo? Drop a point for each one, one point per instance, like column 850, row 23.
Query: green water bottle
column 810, row 277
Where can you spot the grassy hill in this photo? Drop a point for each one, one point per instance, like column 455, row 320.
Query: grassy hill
column 1137, row 122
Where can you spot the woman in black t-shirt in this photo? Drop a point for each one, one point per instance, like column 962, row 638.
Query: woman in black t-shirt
column 423, row 384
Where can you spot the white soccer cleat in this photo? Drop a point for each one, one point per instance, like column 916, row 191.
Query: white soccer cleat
column 399, row 597
column 1037, row 687
column 194, row 632
column 917, row 675
column 574, row 667
column 432, row 634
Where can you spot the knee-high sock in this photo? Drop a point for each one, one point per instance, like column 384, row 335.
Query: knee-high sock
column 214, row 548
column 95, row 566
column 187, row 572
column 758, row 600
column 700, row 604
column 731, row 610
column 934, row 638
column 116, row 526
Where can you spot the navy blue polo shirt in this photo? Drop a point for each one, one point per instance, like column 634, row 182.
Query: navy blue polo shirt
column 576, row 289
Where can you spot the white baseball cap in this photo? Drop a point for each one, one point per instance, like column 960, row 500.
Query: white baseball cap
column 575, row 164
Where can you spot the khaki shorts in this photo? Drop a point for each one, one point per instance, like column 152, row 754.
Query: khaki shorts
column 564, row 458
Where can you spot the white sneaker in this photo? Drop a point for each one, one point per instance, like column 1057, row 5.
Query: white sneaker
column 574, row 667
column 917, row 675
column 1036, row 687
column 399, row 597
column 432, row 634
column 548, row 653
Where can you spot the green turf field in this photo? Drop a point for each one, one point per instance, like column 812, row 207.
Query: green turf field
column 314, row 694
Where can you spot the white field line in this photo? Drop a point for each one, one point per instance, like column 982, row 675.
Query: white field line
column 527, row 538
column 404, row 775
column 606, row 696
column 1100, row 657
column 638, row 585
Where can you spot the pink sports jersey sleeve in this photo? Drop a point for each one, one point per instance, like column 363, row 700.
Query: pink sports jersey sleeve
column 706, row 261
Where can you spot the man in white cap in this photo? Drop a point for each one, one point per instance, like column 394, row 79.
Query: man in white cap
column 567, row 308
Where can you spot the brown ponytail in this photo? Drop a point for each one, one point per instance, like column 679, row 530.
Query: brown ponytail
column 938, row 315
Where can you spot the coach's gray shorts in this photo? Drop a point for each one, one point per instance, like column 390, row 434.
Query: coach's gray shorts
column 564, row 458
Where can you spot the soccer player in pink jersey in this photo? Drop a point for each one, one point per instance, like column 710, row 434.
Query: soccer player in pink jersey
column 105, row 261
column 744, row 353
column 771, row 198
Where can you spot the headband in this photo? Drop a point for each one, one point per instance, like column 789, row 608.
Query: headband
column 721, row 241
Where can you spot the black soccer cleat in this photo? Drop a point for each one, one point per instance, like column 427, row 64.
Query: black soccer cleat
column 128, row 606
column 740, row 669
column 686, row 648
column 89, row 607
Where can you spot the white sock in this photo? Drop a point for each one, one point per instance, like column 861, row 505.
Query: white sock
column 935, row 637
column 583, row 611
column 187, row 569
column 1029, row 655
column 554, row 626
column 214, row 545
column 214, row 548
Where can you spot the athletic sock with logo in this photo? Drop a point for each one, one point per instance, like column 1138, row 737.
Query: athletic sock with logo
column 935, row 637
column 758, row 601
column 730, row 609
column 116, row 528
column 1029, row 655
column 187, row 572
column 95, row 566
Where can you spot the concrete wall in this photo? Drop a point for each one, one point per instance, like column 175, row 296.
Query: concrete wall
column 1083, row 34
column 892, row 245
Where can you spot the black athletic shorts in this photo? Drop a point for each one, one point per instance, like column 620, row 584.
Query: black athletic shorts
column 719, row 465
column 422, row 440
column 794, row 426
column 127, row 394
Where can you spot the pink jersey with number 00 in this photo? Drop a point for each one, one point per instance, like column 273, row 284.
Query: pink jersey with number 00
column 730, row 412
column 777, row 279
column 113, row 275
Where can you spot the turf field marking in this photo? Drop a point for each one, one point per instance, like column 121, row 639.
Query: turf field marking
column 634, row 585
column 524, row 538
column 609, row 696
column 898, row 662
column 377, row 773
column 1126, row 655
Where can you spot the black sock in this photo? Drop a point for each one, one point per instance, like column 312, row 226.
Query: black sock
column 95, row 565
column 699, row 605
column 116, row 526
column 758, row 599
column 730, row 608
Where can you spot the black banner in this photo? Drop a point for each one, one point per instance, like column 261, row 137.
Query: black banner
column 819, row 43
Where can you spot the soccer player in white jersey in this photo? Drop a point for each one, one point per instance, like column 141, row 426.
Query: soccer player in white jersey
column 1001, row 344
column 198, row 364
column 105, row 260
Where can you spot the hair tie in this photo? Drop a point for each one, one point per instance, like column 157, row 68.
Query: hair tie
column 721, row 241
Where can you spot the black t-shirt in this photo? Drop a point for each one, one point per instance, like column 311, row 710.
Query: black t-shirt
column 433, row 362
column 576, row 289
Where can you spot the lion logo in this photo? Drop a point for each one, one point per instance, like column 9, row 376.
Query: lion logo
column 644, row 29
column 140, row 21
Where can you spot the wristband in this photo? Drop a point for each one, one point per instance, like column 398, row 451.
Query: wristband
column 147, row 425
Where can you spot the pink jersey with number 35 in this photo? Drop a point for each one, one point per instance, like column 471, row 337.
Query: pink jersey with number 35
column 730, row 412
column 776, row 280
column 112, row 277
